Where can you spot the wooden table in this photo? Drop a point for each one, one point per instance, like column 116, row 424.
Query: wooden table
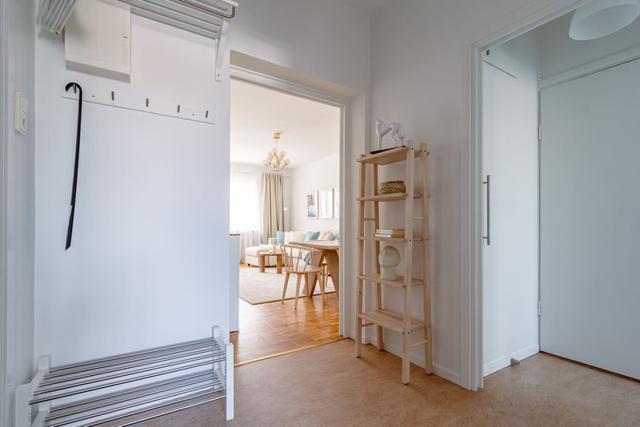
column 320, row 250
column 278, row 255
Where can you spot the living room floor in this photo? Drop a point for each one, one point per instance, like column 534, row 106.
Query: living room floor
column 329, row 386
column 274, row 328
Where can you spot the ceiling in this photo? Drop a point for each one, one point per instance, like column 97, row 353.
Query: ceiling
column 310, row 130
column 368, row 6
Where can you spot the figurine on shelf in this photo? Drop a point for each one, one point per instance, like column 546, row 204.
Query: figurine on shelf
column 397, row 135
column 389, row 259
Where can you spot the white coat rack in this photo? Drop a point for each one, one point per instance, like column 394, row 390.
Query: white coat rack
column 146, row 104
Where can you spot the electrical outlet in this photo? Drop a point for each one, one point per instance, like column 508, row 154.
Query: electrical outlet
column 20, row 113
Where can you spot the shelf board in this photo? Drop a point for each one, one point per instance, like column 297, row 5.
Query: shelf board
column 387, row 197
column 390, row 319
column 390, row 156
column 399, row 282
column 391, row 239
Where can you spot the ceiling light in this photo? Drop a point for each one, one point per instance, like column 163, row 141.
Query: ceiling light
column 276, row 160
column 600, row 18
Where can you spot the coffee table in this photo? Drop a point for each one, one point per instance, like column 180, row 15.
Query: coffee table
column 278, row 255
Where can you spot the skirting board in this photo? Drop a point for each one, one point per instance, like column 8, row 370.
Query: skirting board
column 503, row 362
column 439, row 370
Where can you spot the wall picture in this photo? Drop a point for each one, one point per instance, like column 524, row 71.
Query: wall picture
column 325, row 204
column 312, row 205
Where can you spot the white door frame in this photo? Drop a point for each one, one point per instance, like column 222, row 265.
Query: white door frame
column 281, row 85
column 472, row 209
column 4, row 122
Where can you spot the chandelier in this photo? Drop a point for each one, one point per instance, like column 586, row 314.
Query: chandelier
column 276, row 160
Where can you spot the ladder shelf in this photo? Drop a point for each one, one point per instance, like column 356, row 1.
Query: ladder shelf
column 414, row 157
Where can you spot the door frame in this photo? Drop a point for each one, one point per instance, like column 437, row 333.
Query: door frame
column 471, row 192
column 326, row 97
column 4, row 121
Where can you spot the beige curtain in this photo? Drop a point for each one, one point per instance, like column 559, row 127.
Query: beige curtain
column 272, row 205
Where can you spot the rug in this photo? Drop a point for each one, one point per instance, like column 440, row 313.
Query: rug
column 260, row 288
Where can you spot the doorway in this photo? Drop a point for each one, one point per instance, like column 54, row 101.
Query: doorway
column 558, row 216
column 281, row 213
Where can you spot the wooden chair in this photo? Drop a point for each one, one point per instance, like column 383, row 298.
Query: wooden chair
column 294, row 263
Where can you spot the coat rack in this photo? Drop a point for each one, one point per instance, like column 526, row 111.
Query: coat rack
column 146, row 104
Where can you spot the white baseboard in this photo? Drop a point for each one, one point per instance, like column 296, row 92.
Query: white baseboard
column 503, row 362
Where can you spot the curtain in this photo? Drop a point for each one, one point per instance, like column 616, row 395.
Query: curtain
column 244, row 209
column 272, row 204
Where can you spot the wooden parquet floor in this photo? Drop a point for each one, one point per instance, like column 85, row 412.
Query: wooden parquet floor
column 273, row 328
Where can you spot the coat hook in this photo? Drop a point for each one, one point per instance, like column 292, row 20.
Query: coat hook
column 178, row 108
column 113, row 96
column 147, row 102
column 206, row 114
column 75, row 89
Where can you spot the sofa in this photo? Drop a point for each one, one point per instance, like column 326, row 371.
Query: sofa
column 251, row 254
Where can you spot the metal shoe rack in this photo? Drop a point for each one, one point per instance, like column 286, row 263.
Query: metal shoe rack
column 129, row 388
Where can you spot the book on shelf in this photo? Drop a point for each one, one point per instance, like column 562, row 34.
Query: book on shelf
column 396, row 233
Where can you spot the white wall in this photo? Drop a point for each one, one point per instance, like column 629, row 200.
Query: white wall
column 510, row 158
column 321, row 174
column 421, row 68
column 149, row 263
column 328, row 40
column 18, row 206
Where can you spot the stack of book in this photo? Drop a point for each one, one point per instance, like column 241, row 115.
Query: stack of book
column 394, row 233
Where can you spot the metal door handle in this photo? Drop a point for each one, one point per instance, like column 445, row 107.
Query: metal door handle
column 487, row 238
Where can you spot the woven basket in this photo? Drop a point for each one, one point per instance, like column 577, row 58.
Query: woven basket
column 391, row 187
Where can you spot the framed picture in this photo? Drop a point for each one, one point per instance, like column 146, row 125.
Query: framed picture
column 312, row 205
column 336, row 203
column 325, row 204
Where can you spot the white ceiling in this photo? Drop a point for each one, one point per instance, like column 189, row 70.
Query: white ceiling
column 310, row 130
column 368, row 6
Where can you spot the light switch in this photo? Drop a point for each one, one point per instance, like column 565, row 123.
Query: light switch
column 20, row 113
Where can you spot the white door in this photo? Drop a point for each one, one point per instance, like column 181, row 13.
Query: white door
column 510, row 254
column 590, row 219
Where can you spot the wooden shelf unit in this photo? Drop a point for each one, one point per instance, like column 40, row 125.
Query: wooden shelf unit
column 414, row 157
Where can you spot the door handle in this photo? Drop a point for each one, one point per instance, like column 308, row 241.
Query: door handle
column 487, row 182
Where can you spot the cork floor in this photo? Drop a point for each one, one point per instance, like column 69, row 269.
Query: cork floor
column 328, row 386
column 273, row 328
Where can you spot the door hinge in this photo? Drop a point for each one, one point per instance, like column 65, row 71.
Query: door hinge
column 539, row 308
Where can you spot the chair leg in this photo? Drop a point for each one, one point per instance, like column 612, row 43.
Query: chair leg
column 298, row 280
column 284, row 288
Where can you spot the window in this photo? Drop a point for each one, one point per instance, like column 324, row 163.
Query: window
column 245, row 202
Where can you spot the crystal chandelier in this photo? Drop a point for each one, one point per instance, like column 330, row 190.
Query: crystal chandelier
column 275, row 160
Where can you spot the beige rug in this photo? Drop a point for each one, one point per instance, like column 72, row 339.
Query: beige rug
column 259, row 288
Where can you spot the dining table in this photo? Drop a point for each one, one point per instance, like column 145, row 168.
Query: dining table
column 322, row 250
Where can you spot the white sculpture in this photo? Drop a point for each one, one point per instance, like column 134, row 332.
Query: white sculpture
column 389, row 259
column 397, row 135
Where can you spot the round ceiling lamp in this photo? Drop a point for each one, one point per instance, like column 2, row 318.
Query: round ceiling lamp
column 600, row 18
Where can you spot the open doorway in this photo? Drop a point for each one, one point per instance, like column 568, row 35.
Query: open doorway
column 559, row 138
column 285, row 215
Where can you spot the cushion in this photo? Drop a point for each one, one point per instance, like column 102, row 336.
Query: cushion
column 336, row 236
column 280, row 238
column 311, row 235
column 294, row 236
column 326, row 235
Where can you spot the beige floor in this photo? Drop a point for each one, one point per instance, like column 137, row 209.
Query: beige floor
column 329, row 386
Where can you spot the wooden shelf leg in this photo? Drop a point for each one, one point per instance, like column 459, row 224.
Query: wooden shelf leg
column 376, row 261
column 361, row 247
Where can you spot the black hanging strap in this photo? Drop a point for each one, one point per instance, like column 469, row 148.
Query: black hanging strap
column 75, row 166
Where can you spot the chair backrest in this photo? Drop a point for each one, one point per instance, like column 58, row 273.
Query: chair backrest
column 293, row 257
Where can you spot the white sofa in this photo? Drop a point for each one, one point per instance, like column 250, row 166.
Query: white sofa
column 251, row 254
